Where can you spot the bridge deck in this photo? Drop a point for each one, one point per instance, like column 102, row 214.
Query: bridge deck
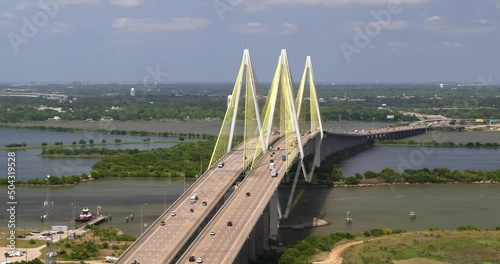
column 160, row 244
column 242, row 210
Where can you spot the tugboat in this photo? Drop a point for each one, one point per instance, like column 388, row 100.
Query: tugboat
column 85, row 215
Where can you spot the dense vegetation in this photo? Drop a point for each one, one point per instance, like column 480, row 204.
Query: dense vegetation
column 439, row 144
column 208, row 102
column 314, row 244
column 186, row 158
column 96, row 241
column 400, row 245
column 437, row 175
column 464, row 246
column 86, row 152
column 53, row 180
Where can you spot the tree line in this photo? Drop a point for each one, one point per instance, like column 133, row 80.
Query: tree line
column 437, row 175
column 86, row 152
column 434, row 143
column 183, row 159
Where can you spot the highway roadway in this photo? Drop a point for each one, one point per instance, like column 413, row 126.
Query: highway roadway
column 221, row 243
column 161, row 243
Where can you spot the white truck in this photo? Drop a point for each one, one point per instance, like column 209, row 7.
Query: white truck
column 110, row 259
column 273, row 172
column 14, row 253
column 193, row 198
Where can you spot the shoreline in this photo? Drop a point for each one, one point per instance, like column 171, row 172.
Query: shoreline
column 87, row 145
column 408, row 184
column 336, row 185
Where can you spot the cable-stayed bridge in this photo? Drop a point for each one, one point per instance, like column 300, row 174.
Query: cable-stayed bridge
column 214, row 228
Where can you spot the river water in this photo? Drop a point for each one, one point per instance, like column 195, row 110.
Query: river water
column 30, row 165
column 445, row 206
column 442, row 206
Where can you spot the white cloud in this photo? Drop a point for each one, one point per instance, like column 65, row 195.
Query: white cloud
column 438, row 24
column 6, row 18
column 450, row 44
column 81, row 2
column 249, row 28
column 433, row 19
column 287, row 29
column 259, row 28
column 59, row 27
column 126, row 2
column 388, row 25
column 23, row 4
column 151, row 25
column 7, row 15
column 399, row 44
column 391, row 25
column 481, row 21
column 262, row 4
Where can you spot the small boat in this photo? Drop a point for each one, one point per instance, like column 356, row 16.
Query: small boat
column 348, row 219
column 85, row 215
column 413, row 215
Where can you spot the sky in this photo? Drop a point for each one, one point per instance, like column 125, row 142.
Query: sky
column 203, row 40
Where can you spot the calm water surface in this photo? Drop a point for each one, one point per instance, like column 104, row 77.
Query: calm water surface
column 442, row 206
column 401, row 158
column 30, row 165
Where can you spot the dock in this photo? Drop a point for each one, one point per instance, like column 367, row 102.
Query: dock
column 94, row 221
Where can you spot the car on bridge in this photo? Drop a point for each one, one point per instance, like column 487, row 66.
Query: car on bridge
column 192, row 259
column 273, row 172
column 220, row 165
column 162, row 223
column 173, row 213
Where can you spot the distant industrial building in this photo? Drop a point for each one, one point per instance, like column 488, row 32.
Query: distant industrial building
column 132, row 91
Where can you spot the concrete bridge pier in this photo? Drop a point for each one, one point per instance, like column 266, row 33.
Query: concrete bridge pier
column 264, row 231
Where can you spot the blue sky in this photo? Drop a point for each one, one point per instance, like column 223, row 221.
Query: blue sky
column 203, row 40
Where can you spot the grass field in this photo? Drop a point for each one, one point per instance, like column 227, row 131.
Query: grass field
column 20, row 243
column 429, row 247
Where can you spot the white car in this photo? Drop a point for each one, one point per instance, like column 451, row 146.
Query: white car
column 199, row 260
column 173, row 213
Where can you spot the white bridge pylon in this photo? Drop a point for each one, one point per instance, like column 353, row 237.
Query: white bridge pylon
column 283, row 116
column 250, row 112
